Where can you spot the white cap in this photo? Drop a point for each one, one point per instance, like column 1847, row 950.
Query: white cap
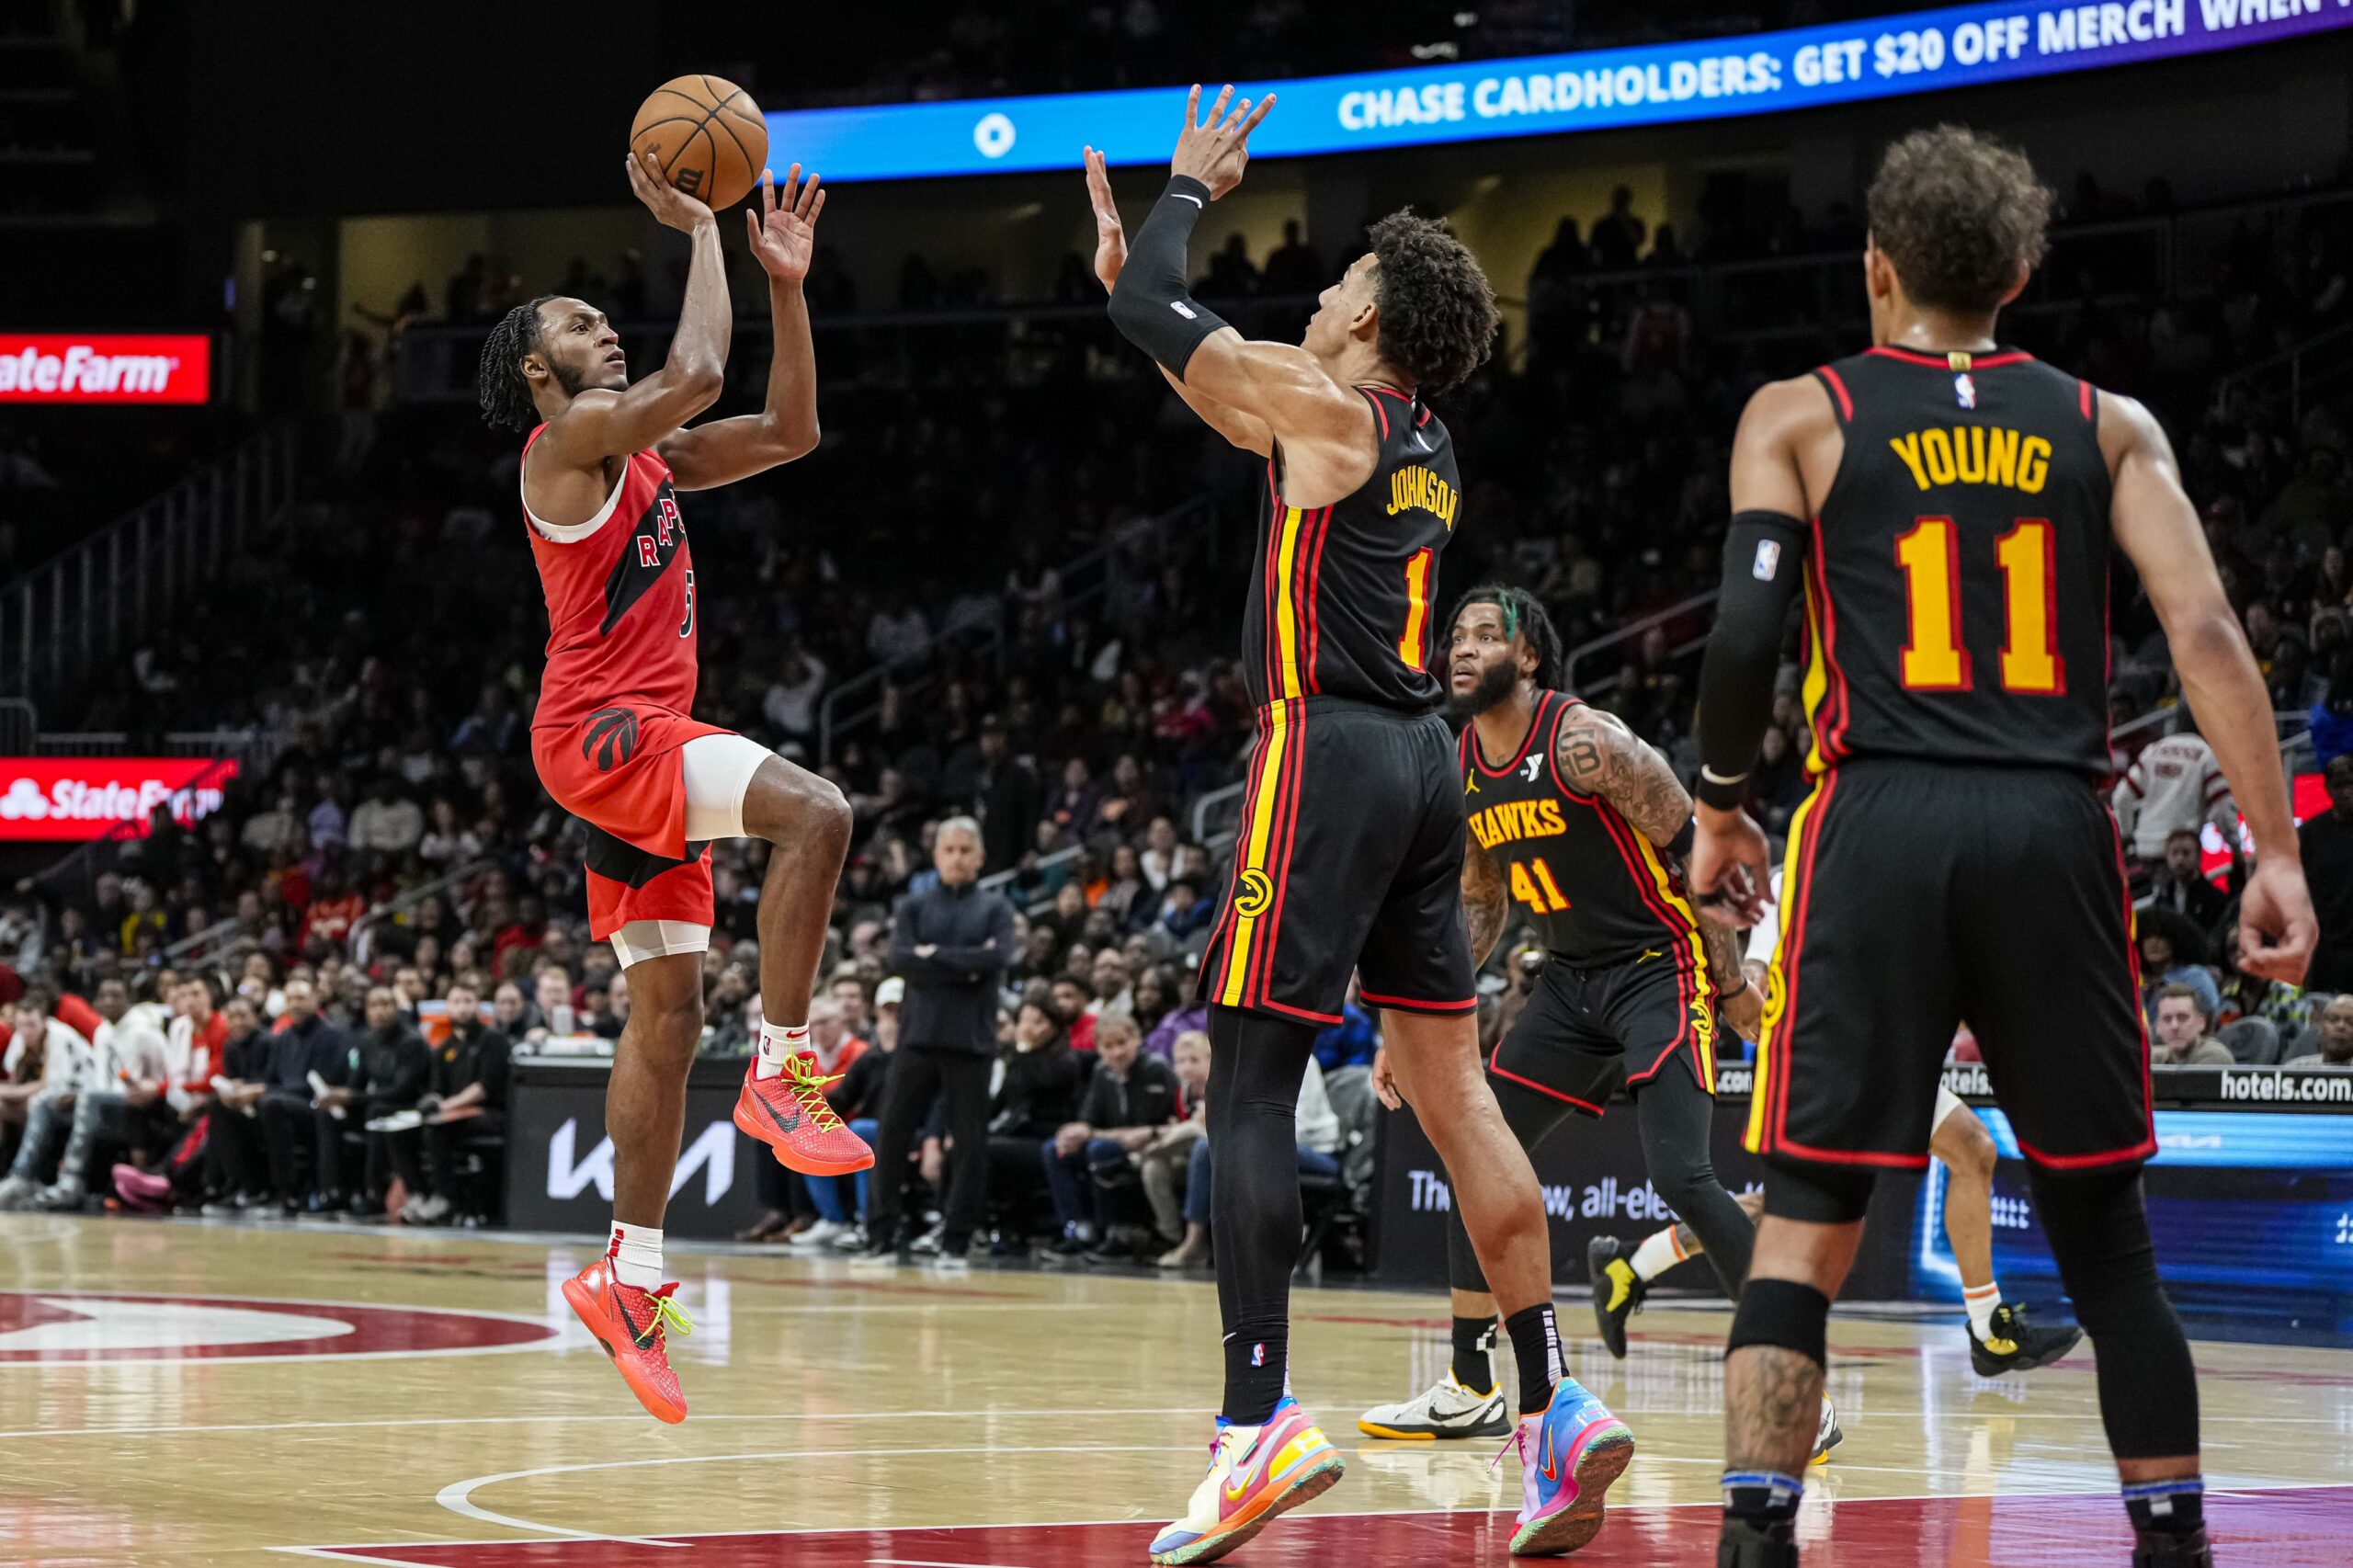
column 891, row 992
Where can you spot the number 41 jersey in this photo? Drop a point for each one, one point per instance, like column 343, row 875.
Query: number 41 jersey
column 1957, row 583
column 1341, row 597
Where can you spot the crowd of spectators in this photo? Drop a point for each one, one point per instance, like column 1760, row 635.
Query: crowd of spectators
column 970, row 573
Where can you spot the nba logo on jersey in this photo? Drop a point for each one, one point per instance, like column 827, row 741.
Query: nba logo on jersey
column 1964, row 390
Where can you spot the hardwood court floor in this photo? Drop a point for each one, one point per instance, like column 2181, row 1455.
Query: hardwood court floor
column 198, row 1393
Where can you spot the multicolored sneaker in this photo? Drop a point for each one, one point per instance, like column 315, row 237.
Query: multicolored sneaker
column 631, row 1324
column 1255, row 1472
column 789, row 1113
column 1569, row 1453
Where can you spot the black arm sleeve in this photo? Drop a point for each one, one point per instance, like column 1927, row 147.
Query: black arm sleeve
column 1763, row 566
column 1151, row 304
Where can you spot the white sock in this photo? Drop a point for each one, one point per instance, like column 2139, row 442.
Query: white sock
column 1658, row 1253
column 636, row 1252
column 778, row 1042
column 1981, row 1304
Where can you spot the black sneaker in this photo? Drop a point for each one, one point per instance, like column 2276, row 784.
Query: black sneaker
column 1744, row 1545
column 2164, row 1549
column 1618, row 1291
column 2013, row 1345
column 1112, row 1248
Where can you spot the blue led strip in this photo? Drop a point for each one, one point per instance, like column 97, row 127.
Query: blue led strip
column 1545, row 94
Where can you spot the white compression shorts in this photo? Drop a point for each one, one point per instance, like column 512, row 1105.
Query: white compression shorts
column 717, row 771
column 1946, row 1103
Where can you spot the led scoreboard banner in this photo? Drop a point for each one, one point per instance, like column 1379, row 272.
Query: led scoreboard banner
column 1544, row 95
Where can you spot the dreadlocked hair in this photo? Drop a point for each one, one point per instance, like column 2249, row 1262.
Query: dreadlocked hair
column 1438, row 314
column 504, row 395
column 1524, row 616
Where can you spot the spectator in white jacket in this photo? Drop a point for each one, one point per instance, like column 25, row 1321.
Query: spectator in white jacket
column 65, row 1066
column 123, row 1089
column 2174, row 786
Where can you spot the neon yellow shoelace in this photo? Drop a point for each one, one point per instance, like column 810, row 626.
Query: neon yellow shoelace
column 668, row 1314
column 809, row 1089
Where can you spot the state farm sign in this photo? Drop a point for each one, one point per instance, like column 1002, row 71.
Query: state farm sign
column 104, row 368
column 82, row 798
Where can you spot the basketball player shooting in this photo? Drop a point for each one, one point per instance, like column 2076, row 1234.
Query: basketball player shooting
column 1948, row 508
column 1353, row 832
column 615, row 743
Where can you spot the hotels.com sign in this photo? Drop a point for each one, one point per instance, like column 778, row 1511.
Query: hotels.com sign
column 104, row 368
column 55, row 798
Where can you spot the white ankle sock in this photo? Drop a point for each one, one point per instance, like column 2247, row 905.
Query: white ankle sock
column 778, row 1042
column 1657, row 1254
column 1981, row 1304
column 636, row 1252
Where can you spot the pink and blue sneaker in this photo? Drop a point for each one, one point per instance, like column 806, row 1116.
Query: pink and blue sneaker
column 1569, row 1453
column 1255, row 1472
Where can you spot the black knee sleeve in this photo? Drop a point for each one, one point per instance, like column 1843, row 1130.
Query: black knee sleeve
column 1783, row 1313
column 2099, row 1235
column 1818, row 1195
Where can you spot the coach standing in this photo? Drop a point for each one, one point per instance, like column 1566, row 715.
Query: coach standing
column 951, row 944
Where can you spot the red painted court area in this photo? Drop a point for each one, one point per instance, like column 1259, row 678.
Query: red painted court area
column 2304, row 1527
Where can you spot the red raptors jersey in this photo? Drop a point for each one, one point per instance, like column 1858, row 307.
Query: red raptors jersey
column 620, row 594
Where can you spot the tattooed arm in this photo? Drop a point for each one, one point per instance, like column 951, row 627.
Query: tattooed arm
column 1597, row 754
column 1486, row 907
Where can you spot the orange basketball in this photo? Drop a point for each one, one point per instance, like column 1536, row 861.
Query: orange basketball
column 708, row 135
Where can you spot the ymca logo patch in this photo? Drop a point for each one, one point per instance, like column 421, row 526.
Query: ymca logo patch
column 1534, row 765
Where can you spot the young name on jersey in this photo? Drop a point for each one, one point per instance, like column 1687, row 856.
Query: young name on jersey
column 1975, row 454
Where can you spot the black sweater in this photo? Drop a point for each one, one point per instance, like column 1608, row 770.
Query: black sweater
column 951, row 992
column 1039, row 1094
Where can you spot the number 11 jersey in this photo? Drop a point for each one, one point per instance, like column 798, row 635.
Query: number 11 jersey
column 1956, row 589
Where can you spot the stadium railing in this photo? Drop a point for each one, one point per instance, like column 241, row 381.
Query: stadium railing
column 853, row 703
column 79, row 610
column 1696, row 604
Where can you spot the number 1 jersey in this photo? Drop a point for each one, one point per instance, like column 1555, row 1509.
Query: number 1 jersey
column 1342, row 596
column 1955, row 584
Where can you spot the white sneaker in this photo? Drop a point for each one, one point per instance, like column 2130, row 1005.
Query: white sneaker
column 824, row 1234
column 1446, row 1410
column 852, row 1239
column 1827, row 1436
column 17, row 1192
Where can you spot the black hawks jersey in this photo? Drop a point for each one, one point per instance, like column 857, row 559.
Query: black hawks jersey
column 1957, row 584
column 1598, row 891
column 1341, row 596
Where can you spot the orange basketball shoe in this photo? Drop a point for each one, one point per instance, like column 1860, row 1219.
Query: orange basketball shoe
column 631, row 1325
column 789, row 1113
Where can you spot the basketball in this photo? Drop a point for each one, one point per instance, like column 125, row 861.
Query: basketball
column 708, row 135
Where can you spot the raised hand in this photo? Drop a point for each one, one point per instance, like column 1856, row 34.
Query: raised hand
column 674, row 208
column 1110, row 237
column 1216, row 150
column 784, row 234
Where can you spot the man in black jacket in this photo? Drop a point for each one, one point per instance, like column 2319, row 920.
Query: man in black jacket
column 1130, row 1098
column 306, row 1045
column 386, row 1068
column 236, row 1162
column 465, row 1099
column 1005, row 791
column 951, row 944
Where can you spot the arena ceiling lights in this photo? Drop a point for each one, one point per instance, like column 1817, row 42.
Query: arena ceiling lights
column 1547, row 94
